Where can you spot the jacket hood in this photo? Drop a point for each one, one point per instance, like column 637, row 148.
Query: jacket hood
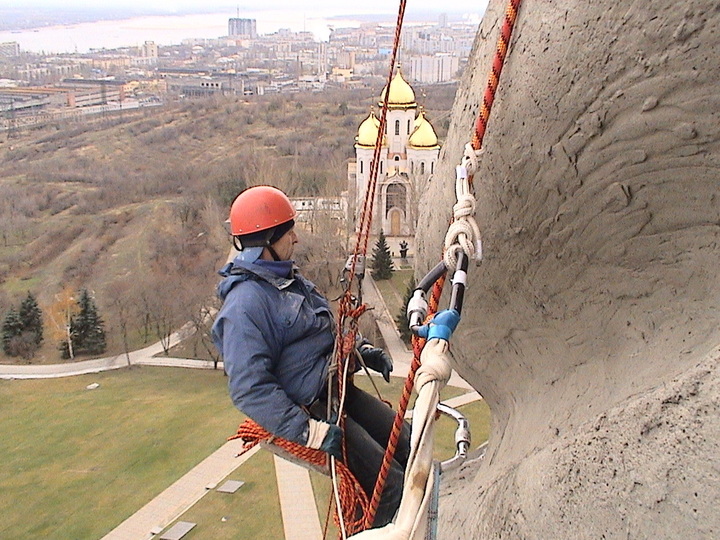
column 240, row 270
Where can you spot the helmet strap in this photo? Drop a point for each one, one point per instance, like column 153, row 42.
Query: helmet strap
column 273, row 253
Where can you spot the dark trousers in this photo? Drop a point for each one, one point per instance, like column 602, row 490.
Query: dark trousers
column 368, row 425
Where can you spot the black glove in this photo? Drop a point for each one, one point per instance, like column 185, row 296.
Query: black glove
column 322, row 435
column 332, row 443
column 376, row 359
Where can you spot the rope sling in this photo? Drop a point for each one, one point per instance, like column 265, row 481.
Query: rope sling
column 354, row 513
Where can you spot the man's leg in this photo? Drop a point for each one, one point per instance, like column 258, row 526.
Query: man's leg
column 368, row 426
column 365, row 457
column 377, row 418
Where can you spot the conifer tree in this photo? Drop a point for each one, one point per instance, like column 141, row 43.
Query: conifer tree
column 401, row 319
column 87, row 328
column 31, row 317
column 12, row 328
column 382, row 265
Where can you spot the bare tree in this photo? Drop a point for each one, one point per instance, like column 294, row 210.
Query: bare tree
column 60, row 313
column 202, row 321
column 124, row 307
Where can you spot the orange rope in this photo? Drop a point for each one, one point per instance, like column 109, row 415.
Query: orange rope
column 418, row 343
column 353, row 500
column 367, row 211
column 501, row 49
column 345, row 308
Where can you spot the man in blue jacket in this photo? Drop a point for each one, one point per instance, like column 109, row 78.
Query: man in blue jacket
column 275, row 332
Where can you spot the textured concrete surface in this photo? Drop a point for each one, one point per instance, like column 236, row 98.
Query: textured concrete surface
column 591, row 328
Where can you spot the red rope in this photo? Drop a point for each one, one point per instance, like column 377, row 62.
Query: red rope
column 501, row 49
column 345, row 307
column 418, row 344
column 367, row 211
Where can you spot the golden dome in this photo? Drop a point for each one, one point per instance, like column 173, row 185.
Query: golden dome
column 368, row 131
column 401, row 94
column 423, row 136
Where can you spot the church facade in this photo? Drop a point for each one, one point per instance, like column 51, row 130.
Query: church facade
column 408, row 156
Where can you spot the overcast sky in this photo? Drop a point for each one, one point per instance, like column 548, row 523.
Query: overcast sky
column 335, row 6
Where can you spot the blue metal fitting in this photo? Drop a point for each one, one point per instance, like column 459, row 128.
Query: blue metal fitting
column 442, row 325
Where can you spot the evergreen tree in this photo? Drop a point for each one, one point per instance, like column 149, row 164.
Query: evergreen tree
column 31, row 318
column 11, row 330
column 402, row 319
column 87, row 328
column 382, row 265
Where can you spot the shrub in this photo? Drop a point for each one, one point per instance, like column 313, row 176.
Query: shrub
column 382, row 265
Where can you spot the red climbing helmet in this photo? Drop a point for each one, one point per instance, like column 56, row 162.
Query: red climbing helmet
column 259, row 208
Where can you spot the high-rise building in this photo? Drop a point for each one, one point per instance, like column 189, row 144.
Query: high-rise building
column 149, row 49
column 246, row 28
column 435, row 68
column 9, row 49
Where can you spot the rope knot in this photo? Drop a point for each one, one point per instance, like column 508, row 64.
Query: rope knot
column 465, row 207
column 471, row 159
column 463, row 233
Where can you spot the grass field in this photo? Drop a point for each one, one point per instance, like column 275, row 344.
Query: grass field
column 77, row 462
column 253, row 512
column 393, row 290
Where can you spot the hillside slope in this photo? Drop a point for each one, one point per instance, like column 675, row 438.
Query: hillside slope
column 131, row 207
column 592, row 326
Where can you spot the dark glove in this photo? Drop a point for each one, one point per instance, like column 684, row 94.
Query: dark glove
column 332, row 443
column 322, row 435
column 376, row 359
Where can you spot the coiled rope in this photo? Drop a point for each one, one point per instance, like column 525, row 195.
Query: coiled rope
column 353, row 501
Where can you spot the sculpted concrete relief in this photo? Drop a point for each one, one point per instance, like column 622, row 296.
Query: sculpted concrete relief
column 592, row 326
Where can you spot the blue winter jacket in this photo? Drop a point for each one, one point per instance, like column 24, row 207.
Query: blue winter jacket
column 276, row 336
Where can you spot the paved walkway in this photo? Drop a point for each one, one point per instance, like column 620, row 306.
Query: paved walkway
column 301, row 520
column 172, row 503
column 69, row 369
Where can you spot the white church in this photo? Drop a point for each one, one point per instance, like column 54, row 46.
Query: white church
column 408, row 157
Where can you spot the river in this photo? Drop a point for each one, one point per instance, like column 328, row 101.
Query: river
column 164, row 30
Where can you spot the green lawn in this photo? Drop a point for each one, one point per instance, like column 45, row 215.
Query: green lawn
column 393, row 290
column 253, row 511
column 77, row 462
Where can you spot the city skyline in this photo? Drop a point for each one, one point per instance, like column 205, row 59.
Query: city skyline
column 327, row 6
column 68, row 29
